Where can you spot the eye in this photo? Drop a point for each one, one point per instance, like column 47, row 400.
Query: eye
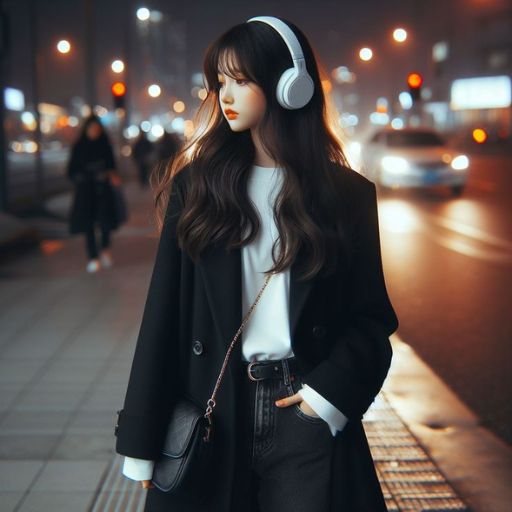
column 242, row 80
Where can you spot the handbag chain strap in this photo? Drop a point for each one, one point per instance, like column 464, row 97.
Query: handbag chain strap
column 211, row 402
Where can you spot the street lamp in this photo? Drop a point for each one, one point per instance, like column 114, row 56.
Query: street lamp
column 143, row 13
column 117, row 66
column 399, row 35
column 154, row 90
column 63, row 46
column 365, row 54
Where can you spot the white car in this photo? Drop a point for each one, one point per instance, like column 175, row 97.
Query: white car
column 413, row 157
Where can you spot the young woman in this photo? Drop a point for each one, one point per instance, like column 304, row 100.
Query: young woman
column 264, row 186
column 90, row 168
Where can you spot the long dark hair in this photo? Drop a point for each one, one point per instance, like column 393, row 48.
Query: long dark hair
column 303, row 142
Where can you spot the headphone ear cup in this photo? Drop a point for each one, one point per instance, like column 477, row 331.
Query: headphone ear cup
column 282, row 89
column 294, row 89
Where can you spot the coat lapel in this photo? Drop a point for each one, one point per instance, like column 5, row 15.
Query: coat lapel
column 222, row 275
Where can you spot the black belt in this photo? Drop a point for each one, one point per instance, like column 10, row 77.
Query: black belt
column 270, row 369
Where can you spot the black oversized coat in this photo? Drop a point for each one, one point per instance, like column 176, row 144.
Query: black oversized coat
column 94, row 201
column 340, row 328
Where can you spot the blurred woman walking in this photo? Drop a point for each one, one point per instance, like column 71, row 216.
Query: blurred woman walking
column 92, row 169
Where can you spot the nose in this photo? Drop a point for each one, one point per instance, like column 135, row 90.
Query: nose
column 226, row 96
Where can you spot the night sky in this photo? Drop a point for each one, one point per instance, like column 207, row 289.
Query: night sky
column 335, row 29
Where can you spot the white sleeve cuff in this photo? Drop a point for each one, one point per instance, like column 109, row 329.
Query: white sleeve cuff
column 333, row 416
column 138, row 469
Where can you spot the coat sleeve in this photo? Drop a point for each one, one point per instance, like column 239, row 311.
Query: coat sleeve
column 138, row 469
column 110, row 161
column 152, row 385
column 332, row 416
column 354, row 371
column 74, row 168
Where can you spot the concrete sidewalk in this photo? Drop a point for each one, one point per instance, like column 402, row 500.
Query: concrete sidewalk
column 67, row 340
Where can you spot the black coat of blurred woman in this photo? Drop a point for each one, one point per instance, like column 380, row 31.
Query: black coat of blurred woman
column 92, row 169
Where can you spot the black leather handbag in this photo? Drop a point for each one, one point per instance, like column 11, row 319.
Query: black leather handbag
column 187, row 450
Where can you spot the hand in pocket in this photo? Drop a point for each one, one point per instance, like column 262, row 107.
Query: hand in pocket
column 294, row 399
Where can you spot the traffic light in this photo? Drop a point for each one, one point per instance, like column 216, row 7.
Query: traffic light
column 414, row 82
column 118, row 94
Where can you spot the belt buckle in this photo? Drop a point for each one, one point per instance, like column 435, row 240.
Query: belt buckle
column 249, row 371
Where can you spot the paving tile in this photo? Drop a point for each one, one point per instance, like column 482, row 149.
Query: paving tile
column 17, row 475
column 57, row 502
column 86, row 446
column 34, row 422
column 72, row 371
column 19, row 446
column 70, row 476
column 9, row 500
column 51, row 397
column 105, row 399
column 19, row 372
column 94, row 422
column 8, row 393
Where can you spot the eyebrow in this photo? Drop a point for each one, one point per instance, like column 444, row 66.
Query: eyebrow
column 237, row 74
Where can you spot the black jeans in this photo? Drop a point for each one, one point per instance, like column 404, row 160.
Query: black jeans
column 90, row 238
column 286, row 454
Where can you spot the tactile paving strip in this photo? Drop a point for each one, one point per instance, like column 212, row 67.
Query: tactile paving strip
column 119, row 493
column 410, row 480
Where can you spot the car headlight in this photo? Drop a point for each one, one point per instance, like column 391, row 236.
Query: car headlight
column 460, row 162
column 395, row 164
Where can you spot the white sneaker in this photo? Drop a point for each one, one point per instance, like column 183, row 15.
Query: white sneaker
column 93, row 266
column 106, row 260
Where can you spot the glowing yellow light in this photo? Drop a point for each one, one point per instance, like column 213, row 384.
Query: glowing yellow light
column 414, row 80
column 479, row 135
column 118, row 89
column 178, row 106
column 62, row 121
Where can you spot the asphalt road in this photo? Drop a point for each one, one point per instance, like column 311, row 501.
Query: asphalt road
column 448, row 268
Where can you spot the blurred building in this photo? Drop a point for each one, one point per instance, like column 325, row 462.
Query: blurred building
column 470, row 66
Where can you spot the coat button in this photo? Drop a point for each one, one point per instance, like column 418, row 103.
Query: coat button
column 319, row 331
column 197, row 348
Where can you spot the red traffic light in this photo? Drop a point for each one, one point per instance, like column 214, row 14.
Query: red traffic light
column 118, row 89
column 414, row 80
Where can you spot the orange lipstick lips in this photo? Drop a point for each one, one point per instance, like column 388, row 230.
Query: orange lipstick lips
column 231, row 114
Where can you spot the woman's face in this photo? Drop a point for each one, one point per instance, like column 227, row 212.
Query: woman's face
column 93, row 130
column 244, row 98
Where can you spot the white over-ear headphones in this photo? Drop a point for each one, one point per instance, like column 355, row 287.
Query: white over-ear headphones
column 295, row 87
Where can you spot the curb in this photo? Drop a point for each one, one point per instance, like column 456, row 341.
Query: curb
column 474, row 460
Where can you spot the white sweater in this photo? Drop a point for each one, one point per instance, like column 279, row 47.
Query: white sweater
column 266, row 334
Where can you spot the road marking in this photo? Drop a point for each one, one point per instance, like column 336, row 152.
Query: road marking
column 401, row 217
column 471, row 232
column 470, row 250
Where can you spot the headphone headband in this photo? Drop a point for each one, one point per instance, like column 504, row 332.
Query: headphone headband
column 295, row 87
column 285, row 32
